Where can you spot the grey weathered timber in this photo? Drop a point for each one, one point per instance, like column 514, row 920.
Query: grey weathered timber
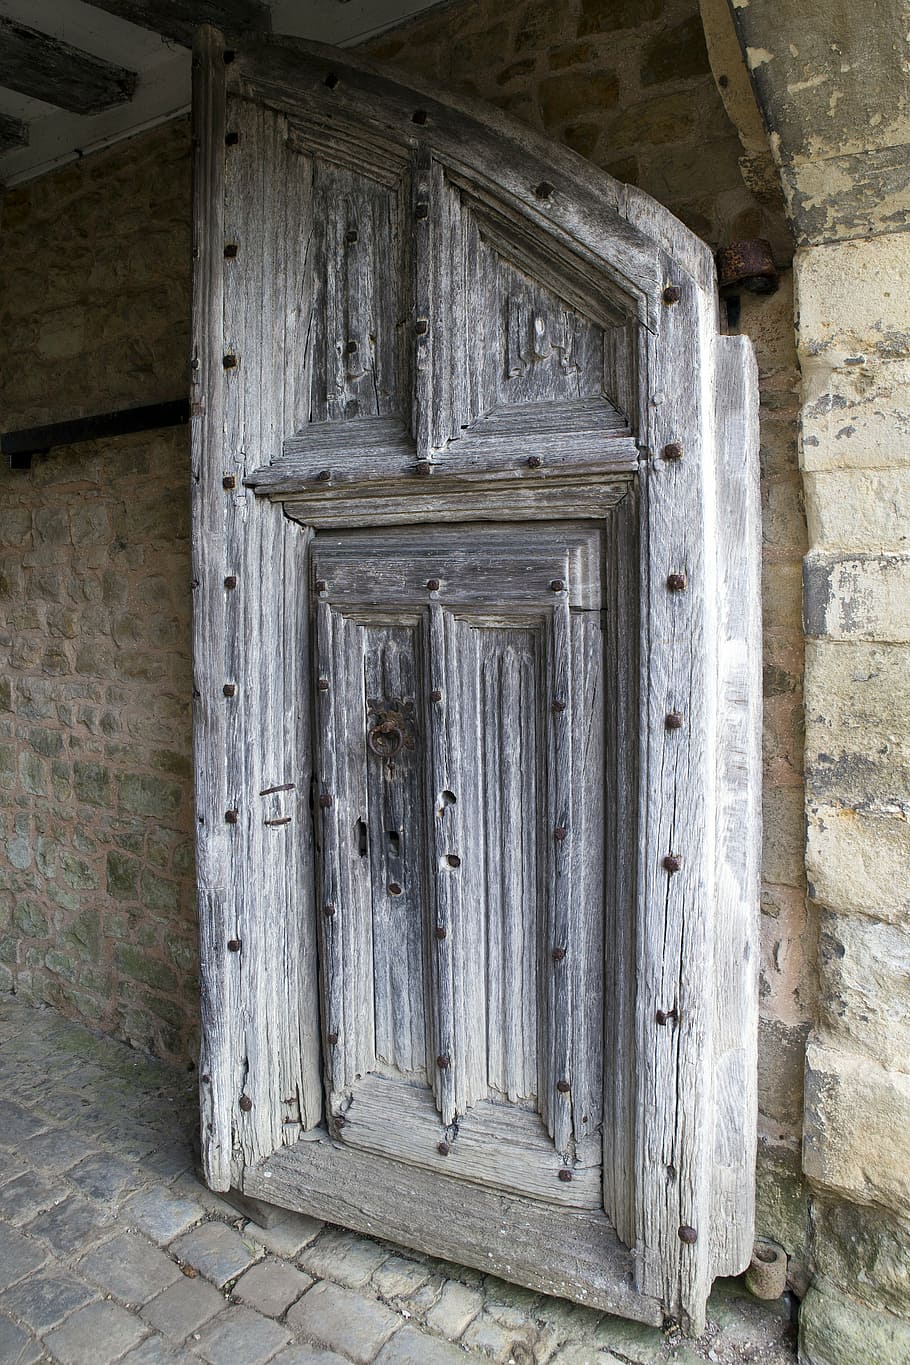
column 219, row 1065
column 179, row 19
column 13, row 133
column 738, row 849
column 45, row 68
column 488, row 609
column 501, row 1234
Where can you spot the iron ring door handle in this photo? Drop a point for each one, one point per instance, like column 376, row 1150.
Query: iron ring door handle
column 385, row 740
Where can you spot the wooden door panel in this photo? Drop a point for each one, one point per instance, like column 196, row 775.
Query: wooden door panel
column 475, row 388
column 460, row 735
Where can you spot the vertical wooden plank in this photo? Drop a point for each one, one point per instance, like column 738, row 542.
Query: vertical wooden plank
column 448, row 926
column 509, row 759
column 585, row 1096
column 218, row 1058
column 562, row 837
column 738, row 805
column 674, row 1089
column 397, row 843
column 266, row 723
column 622, row 647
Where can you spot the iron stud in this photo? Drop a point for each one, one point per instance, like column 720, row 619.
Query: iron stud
column 443, row 1148
column 688, row 1235
column 444, row 1062
column 246, row 1103
column 673, row 720
column 231, row 817
column 233, row 945
column 565, row 1174
column 228, row 482
column 673, row 451
column 229, row 689
column 676, row 582
column 672, row 862
column 672, row 294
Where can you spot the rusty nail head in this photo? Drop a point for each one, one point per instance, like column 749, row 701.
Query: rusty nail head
column 230, row 251
column 672, row 293
column 228, row 482
column 326, row 801
column 394, row 888
column 233, row 945
column 441, row 932
column 444, row 1061
column 246, row 1103
column 565, row 1174
column 664, row 1016
column 436, row 694
column 560, row 833
column 340, row 1121
column 422, row 326
column 328, row 909
column 231, row 817
column 229, row 361
column 676, row 582
column 673, row 720
column 562, row 1087
column 557, row 585
column 229, row 689
column 323, row 684
column 433, row 584
column 534, row 461
column 230, row 582
column 331, row 1039
column 672, row 862
column 558, row 954
column 321, row 585
column 687, row 1234
column 559, row 704
column 442, row 1148
column 673, row 451
column 324, row 476
column 423, row 468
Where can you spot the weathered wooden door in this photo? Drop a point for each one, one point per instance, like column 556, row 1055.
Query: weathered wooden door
column 476, row 717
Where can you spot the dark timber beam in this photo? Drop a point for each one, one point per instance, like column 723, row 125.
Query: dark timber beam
column 42, row 67
column 12, row 133
column 177, row 19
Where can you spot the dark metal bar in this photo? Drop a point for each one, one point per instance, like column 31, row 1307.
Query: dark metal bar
column 21, row 445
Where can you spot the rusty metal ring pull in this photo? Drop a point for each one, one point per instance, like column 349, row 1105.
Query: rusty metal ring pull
column 385, row 739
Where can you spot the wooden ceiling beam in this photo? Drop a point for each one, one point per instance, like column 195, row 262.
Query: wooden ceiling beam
column 177, row 19
column 12, row 133
column 44, row 68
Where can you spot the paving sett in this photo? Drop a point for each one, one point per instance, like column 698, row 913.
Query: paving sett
column 111, row 1250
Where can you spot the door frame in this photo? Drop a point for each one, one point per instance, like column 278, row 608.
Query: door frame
column 682, row 1199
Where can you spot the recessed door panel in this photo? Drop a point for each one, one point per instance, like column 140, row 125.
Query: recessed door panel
column 460, row 798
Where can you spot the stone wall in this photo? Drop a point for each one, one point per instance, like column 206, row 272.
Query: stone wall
column 96, row 866
column 96, row 890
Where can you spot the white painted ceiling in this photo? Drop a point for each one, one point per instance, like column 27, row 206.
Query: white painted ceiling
column 163, row 68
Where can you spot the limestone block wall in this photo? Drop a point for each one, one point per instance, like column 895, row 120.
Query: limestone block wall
column 854, row 313
column 96, row 892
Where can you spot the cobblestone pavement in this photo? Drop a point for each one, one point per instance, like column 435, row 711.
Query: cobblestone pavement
column 110, row 1249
